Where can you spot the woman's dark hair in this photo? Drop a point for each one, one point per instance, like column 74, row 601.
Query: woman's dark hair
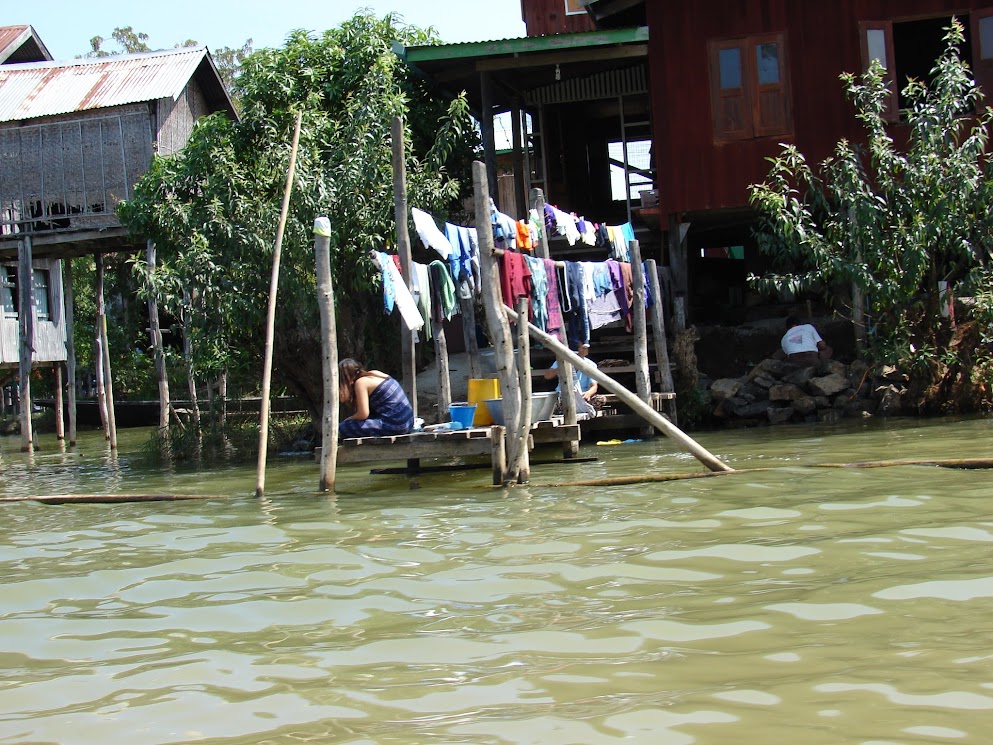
column 349, row 371
column 792, row 321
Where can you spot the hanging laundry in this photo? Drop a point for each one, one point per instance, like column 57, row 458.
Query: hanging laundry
column 504, row 228
column 577, row 320
column 443, row 303
column 524, row 242
column 429, row 233
column 420, row 278
column 515, row 279
column 553, row 307
column 539, row 291
column 403, row 299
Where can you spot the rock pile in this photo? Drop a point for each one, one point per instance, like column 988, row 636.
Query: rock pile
column 777, row 392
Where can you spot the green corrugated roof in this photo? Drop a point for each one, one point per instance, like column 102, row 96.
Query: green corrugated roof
column 528, row 44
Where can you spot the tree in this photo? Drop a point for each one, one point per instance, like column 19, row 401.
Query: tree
column 212, row 209
column 893, row 222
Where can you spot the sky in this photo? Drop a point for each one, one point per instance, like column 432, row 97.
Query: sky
column 66, row 26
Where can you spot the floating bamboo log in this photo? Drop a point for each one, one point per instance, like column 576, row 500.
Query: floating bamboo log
column 271, row 317
column 638, row 406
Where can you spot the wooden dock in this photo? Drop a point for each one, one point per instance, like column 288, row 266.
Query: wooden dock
column 451, row 444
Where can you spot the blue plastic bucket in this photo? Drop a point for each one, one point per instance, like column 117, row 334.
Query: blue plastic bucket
column 462, row 414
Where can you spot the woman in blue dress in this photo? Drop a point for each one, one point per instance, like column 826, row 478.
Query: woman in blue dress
column 381, row 406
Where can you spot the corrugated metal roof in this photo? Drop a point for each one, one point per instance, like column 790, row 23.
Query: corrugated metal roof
column 523, row 45
column 11, row 34
column 37, row 89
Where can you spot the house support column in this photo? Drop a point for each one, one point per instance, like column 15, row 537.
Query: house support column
column 158, row 349
column 70, row 310
column 101, row 361
column 25, row 295
column 489, row 138
column 679, row 269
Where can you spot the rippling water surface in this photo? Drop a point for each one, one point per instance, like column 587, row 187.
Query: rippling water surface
column 791, row 604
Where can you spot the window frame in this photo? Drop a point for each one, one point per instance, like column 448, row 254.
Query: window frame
column 754, row 116
column 892, row 111
column 39, row 289
column 580, row 7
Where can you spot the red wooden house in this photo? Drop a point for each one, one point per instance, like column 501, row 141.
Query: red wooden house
column 710, row 89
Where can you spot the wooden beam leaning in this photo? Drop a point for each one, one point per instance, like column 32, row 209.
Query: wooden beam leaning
column 271, row 315
column 329, row 353
column 638, row 406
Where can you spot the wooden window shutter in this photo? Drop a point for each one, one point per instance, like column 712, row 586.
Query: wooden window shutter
column 730, row 102
column 982, row 51
column 877, row 43
column 768, row 69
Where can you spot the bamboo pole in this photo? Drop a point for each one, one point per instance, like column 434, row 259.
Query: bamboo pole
column 329, row 354
column 98, row 353
column 108, row 381
column 70, row 311
column 25, row 295
column 60, row 424
column 271, row 317
column 638, row 406
column 659, row 340
column 496, row 320
column 409, row 363
column 523, row 465
column 158, row 350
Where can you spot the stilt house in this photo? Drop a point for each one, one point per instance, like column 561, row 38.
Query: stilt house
column 665, row 111
column 75, row 137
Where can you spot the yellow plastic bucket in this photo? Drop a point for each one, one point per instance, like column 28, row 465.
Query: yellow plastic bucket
column 481, row 389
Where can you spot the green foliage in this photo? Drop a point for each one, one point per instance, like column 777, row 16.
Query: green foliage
column 212, row 210
column 128, row 39
column 893, row 221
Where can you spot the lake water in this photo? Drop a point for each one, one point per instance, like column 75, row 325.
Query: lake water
column 791, row 604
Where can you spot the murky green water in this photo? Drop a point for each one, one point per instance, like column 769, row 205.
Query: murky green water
column 788, row 605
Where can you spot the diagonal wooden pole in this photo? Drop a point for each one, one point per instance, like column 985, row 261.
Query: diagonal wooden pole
column 271, row 318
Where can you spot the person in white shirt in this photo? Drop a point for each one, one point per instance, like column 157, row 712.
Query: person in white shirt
column 803, row 345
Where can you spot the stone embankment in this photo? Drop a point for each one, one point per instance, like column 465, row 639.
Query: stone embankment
column 778, row 392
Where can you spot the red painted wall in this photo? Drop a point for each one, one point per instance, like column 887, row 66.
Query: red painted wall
column 822, row 41
column 543, row 17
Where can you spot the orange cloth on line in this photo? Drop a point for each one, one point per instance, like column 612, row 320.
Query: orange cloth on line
column 524, row 241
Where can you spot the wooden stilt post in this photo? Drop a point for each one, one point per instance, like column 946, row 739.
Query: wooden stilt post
column 329, row 353
column 60, row 424
column 659, row 340
column 520, row 198
column 108, row 378
column 98, row 368
column 638, row 406
column 271, row 317
column 468, row 310
column 538, row 205
column 400, row 211
column 441, row 362
column 523, row 464
column 677, row 263
column 158, row 349
column 489, row 141
column 70, row 312
column 496, row 319
column 642, row 379
column 25, row 298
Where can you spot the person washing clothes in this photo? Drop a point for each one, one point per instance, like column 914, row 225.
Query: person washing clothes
column 381, row 406
column 585, row 387
column 803, row 345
